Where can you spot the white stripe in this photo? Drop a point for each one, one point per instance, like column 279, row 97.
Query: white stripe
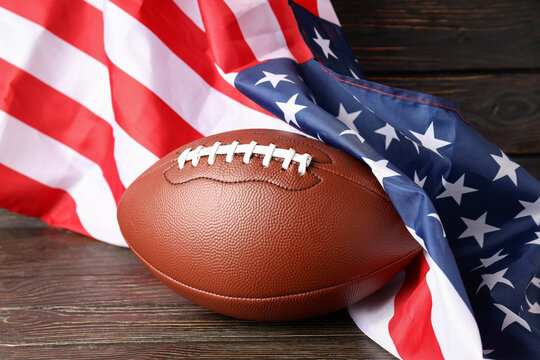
column 192, row 11
column 453, row 323
column 373, row 314
column 75, row 74
column 138, row 52
column 48, row 161
column 98, row 4
column 260, row 28
column 327, row 12
column 55, row 62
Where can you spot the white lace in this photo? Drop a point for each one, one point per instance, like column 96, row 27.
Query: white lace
column 269, row 152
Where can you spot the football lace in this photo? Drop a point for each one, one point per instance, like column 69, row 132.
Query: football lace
column 235, row 148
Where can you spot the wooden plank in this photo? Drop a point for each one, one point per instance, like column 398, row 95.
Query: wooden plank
column 124, row 331
column 504, row 108
column 86, row 290
column 394, row 35
column 71, row 326
column 36, row 251
column 200, row 348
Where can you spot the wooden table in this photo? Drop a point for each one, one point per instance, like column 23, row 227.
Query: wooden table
column 63, row 295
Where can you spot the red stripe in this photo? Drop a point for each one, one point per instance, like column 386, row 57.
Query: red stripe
column 229, row 48
column 59, row 117
column 289, row 27
column 309, row 5
column 23, row 195
column 147, row 118
column 74, row 21
column 187, row 41
column 410, row 328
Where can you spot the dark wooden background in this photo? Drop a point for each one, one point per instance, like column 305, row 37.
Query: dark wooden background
column 66, row 296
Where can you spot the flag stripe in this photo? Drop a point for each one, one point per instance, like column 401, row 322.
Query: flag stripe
column 185, row 40
column 226, row 41
column 140, row 112
column 76, row 75
column 60, row 118
column 309, row 5
column 289, row 27
column 448, row 307
column 263, row 37
column 74, row 21
column 98, row 4
column 192, row 11
column 40, row 157
column 44, row 55
column 26, row 196
column 128, row 48
column 373, row 314
column 412, row 310
column 326, row 11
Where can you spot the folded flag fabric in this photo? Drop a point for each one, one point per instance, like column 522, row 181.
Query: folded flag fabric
column 93, row 92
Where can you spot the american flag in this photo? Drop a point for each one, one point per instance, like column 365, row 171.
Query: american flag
column 94, row 92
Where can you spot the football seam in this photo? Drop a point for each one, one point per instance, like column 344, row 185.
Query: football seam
column 331, row 161
column 362, row 185
column 278, row 296
column 241, row 181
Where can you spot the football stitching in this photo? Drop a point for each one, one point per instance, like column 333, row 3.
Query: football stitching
column 278, row 296
column 331, row 160
column 240, row 181
column 301, row 143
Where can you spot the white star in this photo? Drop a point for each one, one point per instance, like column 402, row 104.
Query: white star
column 477, row 228
column 455, row 190
column 490, row 280
column 418, row 181
column 506, row 168
column 511, row 318
column 415, row 144
column 536, row 282
column 290, row 108
column 389, row 134
column 352, row 132
column 436, row 216
column 533, row 308
column 354, row 74
column 429, row 141
column 348, row 118
column 274, row 79
column 535, row 241
column 491, row 260
column 324, row 44
column 380, row 169
column 531, row 209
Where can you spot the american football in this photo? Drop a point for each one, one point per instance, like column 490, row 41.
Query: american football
column 265, row 225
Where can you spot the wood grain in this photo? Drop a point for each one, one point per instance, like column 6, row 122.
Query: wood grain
column 438, row 35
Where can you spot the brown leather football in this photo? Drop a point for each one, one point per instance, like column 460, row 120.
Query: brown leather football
column 265, row 225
